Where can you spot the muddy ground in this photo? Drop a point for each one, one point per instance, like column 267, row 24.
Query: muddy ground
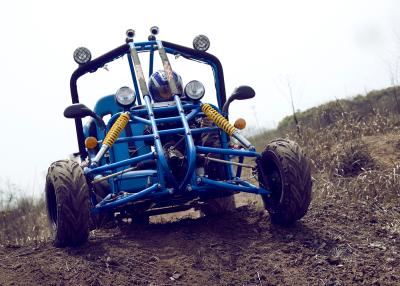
column 337, row 243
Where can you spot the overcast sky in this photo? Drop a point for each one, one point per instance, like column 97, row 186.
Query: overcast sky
column 324, row 49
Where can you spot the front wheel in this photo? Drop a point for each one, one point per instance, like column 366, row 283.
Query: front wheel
column 67, row 199
column 284, row 170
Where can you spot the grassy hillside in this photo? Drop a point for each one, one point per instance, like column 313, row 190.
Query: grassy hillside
column 385, row 102
column 354, row 146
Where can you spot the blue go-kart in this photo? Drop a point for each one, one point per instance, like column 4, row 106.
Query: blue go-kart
column 153, row 156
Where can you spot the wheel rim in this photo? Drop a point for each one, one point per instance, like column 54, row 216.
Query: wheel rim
column 273, row 181
column 51, row 205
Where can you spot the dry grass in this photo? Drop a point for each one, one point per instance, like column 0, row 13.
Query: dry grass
column 22, row 219
column 343, row 164
column 351, row 159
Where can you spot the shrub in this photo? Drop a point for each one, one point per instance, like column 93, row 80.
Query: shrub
column 351, row 159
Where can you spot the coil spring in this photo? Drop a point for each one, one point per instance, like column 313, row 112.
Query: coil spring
column 218, row 119
column 116, row 129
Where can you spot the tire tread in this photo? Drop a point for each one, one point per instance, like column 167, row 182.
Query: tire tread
column 296, row 181
column 71, row 224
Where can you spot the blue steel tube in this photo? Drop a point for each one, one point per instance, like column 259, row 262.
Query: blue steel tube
column 190, row 147
column 121, row 163
column 193, row 113
column 164, row 132
column 232, row 187
column 165, row 110
column 141, row 120
column 157, row 143
column 233, row 152
column 129, row 198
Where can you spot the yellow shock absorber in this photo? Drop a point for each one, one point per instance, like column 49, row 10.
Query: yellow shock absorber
column 111, row 136
column 116, row 129
column 218, row 119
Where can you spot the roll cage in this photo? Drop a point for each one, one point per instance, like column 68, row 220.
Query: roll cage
column 151, row 47
column 129, row 185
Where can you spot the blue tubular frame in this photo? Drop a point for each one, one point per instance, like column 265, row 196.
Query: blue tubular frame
column 113, row 166
column 166, row 184
column 190, row 149
column 198, row 185
column 162, row 161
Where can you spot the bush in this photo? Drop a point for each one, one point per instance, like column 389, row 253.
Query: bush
column 351, row 159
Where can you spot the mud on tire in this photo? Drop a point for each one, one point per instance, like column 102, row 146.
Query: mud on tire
column 284, row 169
column 67, row 200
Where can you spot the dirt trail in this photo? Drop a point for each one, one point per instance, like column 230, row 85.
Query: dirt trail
column 335, row 244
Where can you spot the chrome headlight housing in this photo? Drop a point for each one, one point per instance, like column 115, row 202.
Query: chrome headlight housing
column 82, row 55
column 195, row 90
column 125, row 96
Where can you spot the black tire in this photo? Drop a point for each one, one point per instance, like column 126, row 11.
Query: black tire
column 216, row 206
column 141, row 220
column 284, row 169
column 67, row 199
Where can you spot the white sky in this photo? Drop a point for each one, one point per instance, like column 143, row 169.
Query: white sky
column 326, row 49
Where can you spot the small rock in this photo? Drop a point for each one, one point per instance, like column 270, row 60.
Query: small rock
column 175, row 276
column 13, row 246
column 289, row 236
column 16, row 266
column 378, row 245
column 154, row 259
column 390, row 259
column 333, row 260
column 322, row 245
column 373, row 220
column 111, row 261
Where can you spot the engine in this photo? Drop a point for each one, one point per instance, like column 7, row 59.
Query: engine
column 175, row 149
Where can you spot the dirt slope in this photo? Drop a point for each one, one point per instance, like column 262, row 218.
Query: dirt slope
column 335, row 244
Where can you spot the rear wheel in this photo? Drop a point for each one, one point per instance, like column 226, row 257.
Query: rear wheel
column 216, row 206
column 141, row 219
column 67, row 199
column 215, row 171
column 284, row 169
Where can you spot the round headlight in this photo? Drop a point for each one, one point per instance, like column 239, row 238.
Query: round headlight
column 125, row 96
column 201, row 43
column 82, row 55
column 154, row 30
column 195, row 90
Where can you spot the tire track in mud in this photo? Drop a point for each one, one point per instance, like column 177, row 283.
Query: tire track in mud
column 335, row 244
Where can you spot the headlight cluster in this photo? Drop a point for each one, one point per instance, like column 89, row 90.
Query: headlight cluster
column 195, row 90
column 125, row 96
